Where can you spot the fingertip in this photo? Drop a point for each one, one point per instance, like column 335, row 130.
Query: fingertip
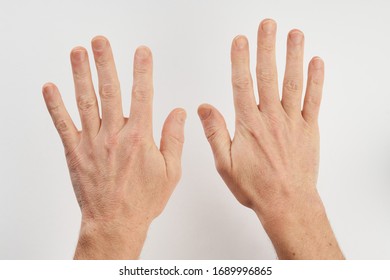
column 99, row 42
column 296, row 36
column 99, row 37
column 317, row 63
column 48, row 89
column 204, row 111
column 78, row 48
column 180, row 115
column 267, row 20
column 240, row 42
column 143, row 52
column 268, row 26
column 78, row 54
column 51, row 95
column 295, row 30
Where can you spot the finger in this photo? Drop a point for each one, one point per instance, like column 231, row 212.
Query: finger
column 142, row 93
column 266, row 72
column 109, row 88
column 85, row 93
column 61, row 119
column 218, row 136
column 172, row 139
column 293, row 76
column 244, row 100
column 315, row 82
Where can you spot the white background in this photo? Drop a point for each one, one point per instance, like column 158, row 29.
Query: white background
column 190, row 40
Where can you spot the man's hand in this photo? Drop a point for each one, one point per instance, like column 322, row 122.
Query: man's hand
column 271, row 165
column 122, row 180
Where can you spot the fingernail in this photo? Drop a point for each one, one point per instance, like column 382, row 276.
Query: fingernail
column 240, row 42
column 318, row 63
column 204, row 113
column 296, row 37
column 269, row 26
column 78, row 55
column 181, row 116
column 142, row 52
column 98, row 44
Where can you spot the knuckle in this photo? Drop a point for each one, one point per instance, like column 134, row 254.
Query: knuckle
column 101, row 63
column 294, row 55
column 266, row 48
column 142, row 92
column 316, row 82
column 81, row 75
column 53, row 108
column 109, row 91
column 85, row 104
column 316, row 102
column 292, row 85
column 62, row 126
column 242, row 83
column 140, row 68
column 265, row 76
column 135, row 137
column 111, row 142
column 175, row 140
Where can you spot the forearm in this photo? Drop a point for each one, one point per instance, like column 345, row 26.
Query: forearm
column 110, row 240
column 300, row 229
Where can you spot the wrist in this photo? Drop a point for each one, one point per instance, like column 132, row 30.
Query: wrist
column 114, row 239
column 299, row 228
column 288, row 205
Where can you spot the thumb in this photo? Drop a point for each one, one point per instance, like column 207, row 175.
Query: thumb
column 172, row 140
column 218, row 136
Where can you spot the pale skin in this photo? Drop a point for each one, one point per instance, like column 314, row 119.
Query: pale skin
column 121, row 179
column 271, row 164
